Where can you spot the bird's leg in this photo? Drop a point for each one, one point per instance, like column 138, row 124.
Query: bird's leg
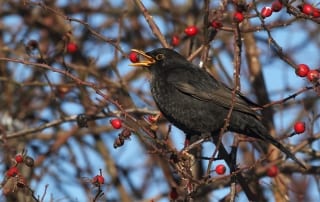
column 187, row 141
column 217, row 142
column 192, row 141
column 233, row 168
column 233, row 156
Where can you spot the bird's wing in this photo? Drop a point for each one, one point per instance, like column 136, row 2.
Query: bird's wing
column 206, row 88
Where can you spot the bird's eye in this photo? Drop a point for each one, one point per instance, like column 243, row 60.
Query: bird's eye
column 159, row 57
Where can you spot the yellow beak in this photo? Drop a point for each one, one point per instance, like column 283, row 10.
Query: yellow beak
column 144, row 63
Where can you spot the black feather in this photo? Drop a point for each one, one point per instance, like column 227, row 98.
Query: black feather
column 194, row 101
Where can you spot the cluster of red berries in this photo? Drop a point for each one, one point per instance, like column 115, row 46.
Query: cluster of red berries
column 267, row 11
column 27, row 160
column 13, row 175
column 13, row 181
column 310, row 10
column 272, row 171
column 276, row 6
column 190, row 31
column 238, row 16
column 19, row 159
column 303, row 70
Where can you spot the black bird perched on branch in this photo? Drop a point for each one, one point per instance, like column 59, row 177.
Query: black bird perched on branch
column 195, row 102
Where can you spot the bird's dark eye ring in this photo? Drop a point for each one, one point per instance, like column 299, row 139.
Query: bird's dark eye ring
column 159, row 57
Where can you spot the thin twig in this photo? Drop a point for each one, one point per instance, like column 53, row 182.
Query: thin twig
column 153, row 26
column 290, row 96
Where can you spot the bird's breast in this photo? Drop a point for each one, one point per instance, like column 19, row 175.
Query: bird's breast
column 184, row 111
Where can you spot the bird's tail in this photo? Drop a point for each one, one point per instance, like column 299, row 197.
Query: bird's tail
column 251, row 126
column 270, row 139
column 259, row 131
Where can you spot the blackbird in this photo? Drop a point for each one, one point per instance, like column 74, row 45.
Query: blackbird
column 195, row 102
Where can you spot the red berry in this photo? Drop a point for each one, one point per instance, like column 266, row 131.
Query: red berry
column 313, row 75
column 276, row 6
column 191, row 30
column 266, row 12
column 72, row 47
column 273, row 171
column 238, row 16
column 134, row 57
column 302, row 70
column 316, row 13
column 173, row 194
column 216, row 24
column 299, row 127
column 19, row 158
column 98, row 180
column 116, row 123
column 13, row 171
column 175, row 40
column 220, row 169
column 307, row 9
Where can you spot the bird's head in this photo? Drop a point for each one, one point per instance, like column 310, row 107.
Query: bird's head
column 159, row 59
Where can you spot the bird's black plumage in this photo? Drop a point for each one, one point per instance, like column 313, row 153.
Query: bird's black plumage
column 194, row 101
